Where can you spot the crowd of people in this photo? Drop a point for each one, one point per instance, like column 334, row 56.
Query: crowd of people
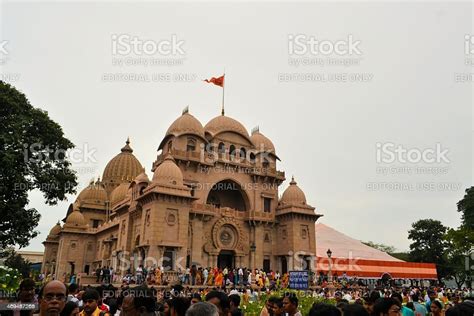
column 205, row 277
column 56, row 298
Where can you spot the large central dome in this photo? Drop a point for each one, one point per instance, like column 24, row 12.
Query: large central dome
column 123, row 167
column 223, row 123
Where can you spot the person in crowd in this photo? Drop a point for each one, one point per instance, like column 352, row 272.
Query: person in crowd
column 431, row 297
column 387, row 306
column 354, row 310
column 26, row 295
column 70, row 309
column 465, row 308
column 72, row 290
column 267, row 310
column 52, row 298
column 436, row 308
column 290, row 304
column 235, row 305
column 138, row 301
column 323, row 309
column 179, row 306
column 420, row 309
column 202, row 309
column 406, row 311
column 196, row 298
column 91, row 301
column 221, row 300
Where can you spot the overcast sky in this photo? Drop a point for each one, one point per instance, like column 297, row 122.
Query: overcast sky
column 401, row 85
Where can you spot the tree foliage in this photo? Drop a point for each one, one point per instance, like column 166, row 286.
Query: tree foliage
column 429, row 244
column 466, row 208
column 458, row 258
column 16, row 261
column 381, row 247
column 32, row 156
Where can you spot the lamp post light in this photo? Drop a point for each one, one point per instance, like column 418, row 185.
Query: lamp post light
column 329, row 253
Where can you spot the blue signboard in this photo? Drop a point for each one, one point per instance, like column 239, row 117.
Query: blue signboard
column 299, row 280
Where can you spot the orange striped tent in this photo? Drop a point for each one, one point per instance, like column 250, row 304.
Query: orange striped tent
column 357, row 259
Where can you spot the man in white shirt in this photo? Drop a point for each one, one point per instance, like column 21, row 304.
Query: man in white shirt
column 241, row 275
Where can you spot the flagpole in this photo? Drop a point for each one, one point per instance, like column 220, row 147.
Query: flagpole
column 223, row 92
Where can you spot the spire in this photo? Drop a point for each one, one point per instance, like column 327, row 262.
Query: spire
column 256, row 129
column 186, row 110
column 127, row 147
column 293, row 182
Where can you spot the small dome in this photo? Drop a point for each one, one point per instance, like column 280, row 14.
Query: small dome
column 55, row 230
column 224, row 123
column 186, row 124
column 76, row 219
column 168, row 172
column 142, row 178
column 293, row 195
column 119, row 193
column 124, row 166
column 93, row 193
column 261, row 142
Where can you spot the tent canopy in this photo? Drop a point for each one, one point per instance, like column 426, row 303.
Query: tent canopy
column 354, row 258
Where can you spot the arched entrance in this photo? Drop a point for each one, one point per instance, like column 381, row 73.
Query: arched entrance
column 228, row 193
column 226, row 259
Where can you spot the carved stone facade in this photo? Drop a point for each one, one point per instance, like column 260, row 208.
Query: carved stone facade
column 212, row 201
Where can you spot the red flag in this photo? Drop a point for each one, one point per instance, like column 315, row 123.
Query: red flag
column 217, row 81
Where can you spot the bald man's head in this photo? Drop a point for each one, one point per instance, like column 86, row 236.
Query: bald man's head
column 52, row 298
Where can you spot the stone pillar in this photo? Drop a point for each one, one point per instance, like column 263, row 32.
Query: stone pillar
column 289, row 260
column 196, row 250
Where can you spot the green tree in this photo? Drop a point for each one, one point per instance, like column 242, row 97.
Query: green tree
column 16, row 261
column 429, row 244
column 32, row 156
column 405, row 256
column 381, row 247
column 460, row 242
column 466, row 207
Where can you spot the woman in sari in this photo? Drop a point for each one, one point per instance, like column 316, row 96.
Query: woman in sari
column 158, row 276
column 219, row 279
column 199, row 277
column 284, row 280
column 210, row 279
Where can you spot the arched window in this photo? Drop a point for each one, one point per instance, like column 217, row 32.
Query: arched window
column 265, row 163
column 210, row 148
column 221, row 149
column 252, row 157
column 191, row 145
column 243, row 154
column 232, row 151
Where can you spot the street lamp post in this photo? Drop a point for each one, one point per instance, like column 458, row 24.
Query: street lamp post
column 329, row 253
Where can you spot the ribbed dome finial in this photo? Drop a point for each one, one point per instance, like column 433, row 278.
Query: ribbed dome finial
column 127, row 147
column 293, row 182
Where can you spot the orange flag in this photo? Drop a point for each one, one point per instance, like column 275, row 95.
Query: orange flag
column 217, row 81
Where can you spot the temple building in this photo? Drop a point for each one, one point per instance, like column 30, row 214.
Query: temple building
column 212, row 199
